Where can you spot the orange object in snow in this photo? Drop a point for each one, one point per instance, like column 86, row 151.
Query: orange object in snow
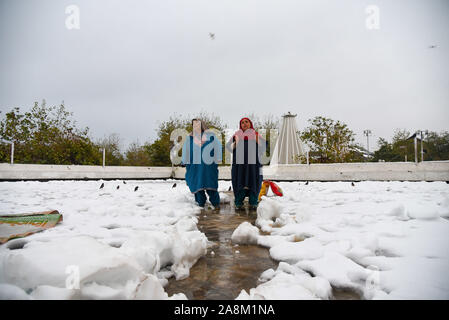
column 266, row 185
column 264, row 188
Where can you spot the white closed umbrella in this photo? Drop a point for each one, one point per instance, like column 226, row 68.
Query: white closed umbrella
column 288, row 146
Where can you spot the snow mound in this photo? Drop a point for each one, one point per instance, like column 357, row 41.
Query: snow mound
column 341, row 271
column 267, row 211
column 53, row 293
column 288, row 283
column 111, row 244
column 150, row 288
column 293, row 252
column 73, row 263
column 444, row 209
column 245, row 233
column 49, row 270
column 187, row 249
column 46, row 263
column 415, row 211
column 11, row 292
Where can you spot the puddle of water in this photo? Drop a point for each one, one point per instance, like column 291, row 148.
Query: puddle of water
column 229, row 269
column 222, row 275
column 345, row 294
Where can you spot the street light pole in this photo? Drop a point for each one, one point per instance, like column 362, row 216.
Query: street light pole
column 367, row 133
column 422, row 141
column 416, row 148
column 422, row 152
column 104, row 155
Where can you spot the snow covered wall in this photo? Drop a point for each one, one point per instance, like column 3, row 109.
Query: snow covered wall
column 384, row 171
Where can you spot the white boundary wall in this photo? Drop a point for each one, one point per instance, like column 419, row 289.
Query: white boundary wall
column 373, row 171
column 61, row 172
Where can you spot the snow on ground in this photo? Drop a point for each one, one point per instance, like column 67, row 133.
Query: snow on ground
column 114, row 241
column 385, row 240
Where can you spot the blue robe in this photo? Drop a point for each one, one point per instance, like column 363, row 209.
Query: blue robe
column 202, row 163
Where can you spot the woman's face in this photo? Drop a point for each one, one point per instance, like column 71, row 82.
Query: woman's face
column 196, row 126
column 245, row 124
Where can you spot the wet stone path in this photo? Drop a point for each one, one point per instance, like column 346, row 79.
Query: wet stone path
column 227, row 268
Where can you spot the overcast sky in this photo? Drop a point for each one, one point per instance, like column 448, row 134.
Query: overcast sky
column 134, row 63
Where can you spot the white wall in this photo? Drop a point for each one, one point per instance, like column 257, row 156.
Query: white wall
column 407, row 171
column 380, row 171
column 49, row 172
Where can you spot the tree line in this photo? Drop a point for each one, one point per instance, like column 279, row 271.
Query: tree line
column 49, row 135
column 435, row 147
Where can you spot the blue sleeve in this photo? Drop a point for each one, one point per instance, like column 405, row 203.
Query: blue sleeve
column 218, row 151
column 185, row 149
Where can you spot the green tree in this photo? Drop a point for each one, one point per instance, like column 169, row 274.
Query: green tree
column 113, row 156
column 386, row 152
column 159, row 150
column 435, row 146
column 330, row 141
column 137, row 155
column 397, row 150
column 15, row 127
column 265, row 126
column 46, row 135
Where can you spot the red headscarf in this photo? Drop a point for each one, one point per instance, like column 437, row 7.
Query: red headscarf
column 250, row 122
column 248, row 134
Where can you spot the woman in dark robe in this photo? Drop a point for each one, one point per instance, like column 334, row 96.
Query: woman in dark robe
column 246, row 146
column 200, row 155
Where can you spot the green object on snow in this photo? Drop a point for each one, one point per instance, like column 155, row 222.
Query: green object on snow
column 22, row 225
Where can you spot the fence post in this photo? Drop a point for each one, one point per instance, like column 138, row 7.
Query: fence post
column 422, row 150
column 12, row 152
column 416, row 150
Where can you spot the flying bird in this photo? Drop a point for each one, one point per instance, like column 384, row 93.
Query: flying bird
column 432, row 46
column 212, row 35
column 124, row 182
column 118, row 187
column 135, row 189
column 102, row 185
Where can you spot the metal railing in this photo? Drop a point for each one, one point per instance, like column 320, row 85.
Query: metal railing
column 12, row 151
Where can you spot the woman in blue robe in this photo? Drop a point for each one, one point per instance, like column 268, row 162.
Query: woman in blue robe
column 201, row 153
